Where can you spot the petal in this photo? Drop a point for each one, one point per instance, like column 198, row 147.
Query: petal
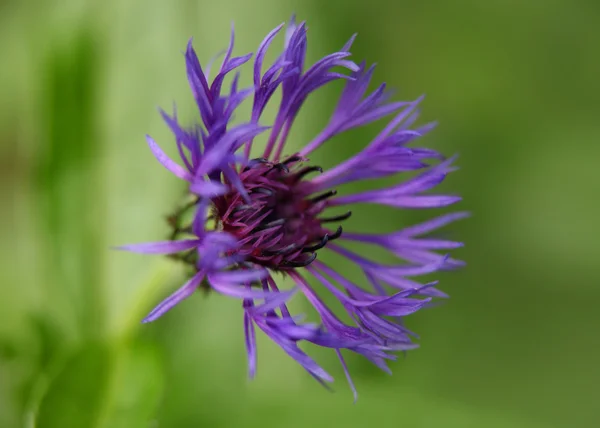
column 182, row 138
column 429, row 201
column 209, row 188
column 176, row 169
column 250, row 339
column 214, row 158
column 238, row 291
column 162, row 247
column 261, row 52
column 430, row 225
column 349, row 43
column 347, row 373
column 290, row 347
column 183, row 293
column 274, row 302
column 240, row 276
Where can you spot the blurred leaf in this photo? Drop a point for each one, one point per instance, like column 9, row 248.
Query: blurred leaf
column 104, row 386
column 68, row 186
column 76, row 397
column 136, row 389
column 50, row 339
column 45, row 363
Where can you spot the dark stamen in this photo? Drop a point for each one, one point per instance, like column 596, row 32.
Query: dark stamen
column 292, row 159
column 247, row 265
column 337, row 234
column 262, row 190
column 336, row 218
column 323, row 196
column 241, row 208
column 301, row 263
column 284, row 250
column 281, row 167
column 318, row 246
column 255, row 162
column 274, row 223
column 307, row 170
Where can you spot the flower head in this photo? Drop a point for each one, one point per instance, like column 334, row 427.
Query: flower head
column 255, row 217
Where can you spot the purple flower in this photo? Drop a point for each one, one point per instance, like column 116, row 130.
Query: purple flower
column 250, row 218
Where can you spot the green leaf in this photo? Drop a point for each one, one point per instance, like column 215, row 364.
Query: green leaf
column 104, row 386
column 136, row 388
column 69, row 188
column 76, row 396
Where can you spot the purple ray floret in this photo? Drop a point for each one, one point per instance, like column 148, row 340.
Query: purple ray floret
column 248, row 219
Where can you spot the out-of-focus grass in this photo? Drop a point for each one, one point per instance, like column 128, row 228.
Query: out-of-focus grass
column 514, row 87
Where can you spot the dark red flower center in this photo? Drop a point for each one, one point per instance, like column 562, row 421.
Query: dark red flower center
column 279, row 227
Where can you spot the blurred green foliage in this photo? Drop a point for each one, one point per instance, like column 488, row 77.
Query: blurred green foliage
column 514, row 86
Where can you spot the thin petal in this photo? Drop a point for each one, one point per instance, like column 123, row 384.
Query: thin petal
column 430, row 225
column 183, row 293
column 208, row 189
column 429, row 201
column 162, row 247
column 176, row 169
column 261, row 52
column 272, row 303
column 250, row 339
column 347, row 373
column 239, row 276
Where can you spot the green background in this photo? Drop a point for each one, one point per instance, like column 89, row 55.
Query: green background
column 514, row 85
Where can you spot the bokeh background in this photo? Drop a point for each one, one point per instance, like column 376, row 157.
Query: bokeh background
column 514, row 86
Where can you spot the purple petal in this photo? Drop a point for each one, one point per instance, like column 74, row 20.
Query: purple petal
column 290, row 30
column 181, row 294
column 219, row 240
column 261, row 52
column 198, row 84
column 347, row 373
column 430, row 201
column 240, row 276
column 208, row 189
column 423, row 256
column 176, row 169
column 229, row 48
column 182, row 138
column 238, row 291
column 275, row 302
column 162, row 247
column 250, row 345
column 372, row 116
column 250, row 339
column 348, row 45
column 290, row 347
column 430, row 225
column 214, row 158
column 400, row 117
column 230, row 66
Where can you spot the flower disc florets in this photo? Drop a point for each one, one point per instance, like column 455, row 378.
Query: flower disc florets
column 254, row 216
column 279, row 227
